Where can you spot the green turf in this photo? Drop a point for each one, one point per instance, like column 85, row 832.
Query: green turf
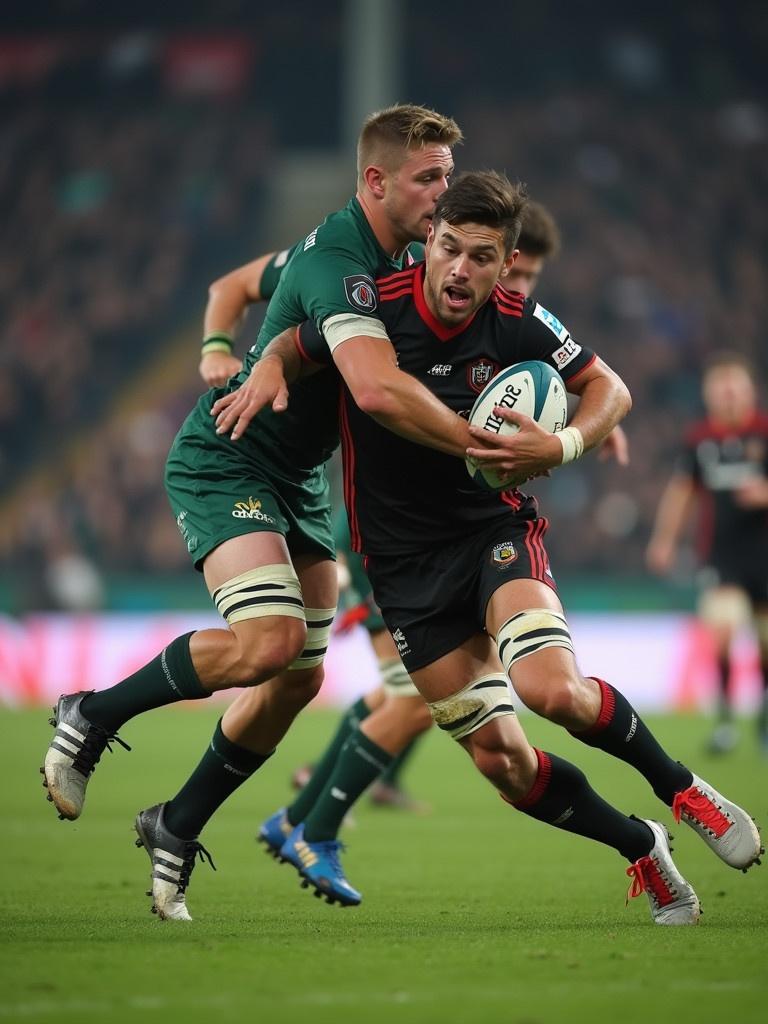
column 473, row 913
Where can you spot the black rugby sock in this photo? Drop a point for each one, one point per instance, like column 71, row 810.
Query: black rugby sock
column 620, row 731
column 305, row 801
column 224, row 767
column 168, row 678
column 359, row 763
column 724, row 708
column 562, row 796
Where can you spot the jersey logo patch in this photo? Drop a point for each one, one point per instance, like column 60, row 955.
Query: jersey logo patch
column 480, row 372
column 566, row 353
column 361, row 292
column 551, row 321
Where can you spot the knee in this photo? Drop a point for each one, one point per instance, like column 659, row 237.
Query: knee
column 302, row 685
column 266, row 652
column 420, row 719
column 562, row 699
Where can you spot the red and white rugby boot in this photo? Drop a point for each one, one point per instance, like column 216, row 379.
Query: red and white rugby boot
column 672, row 899
column 724, row 826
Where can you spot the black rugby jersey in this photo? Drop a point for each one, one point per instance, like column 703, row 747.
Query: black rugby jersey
column 402, row 496
column 720, row 460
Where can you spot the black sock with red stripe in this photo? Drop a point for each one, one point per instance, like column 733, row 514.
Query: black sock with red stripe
column 562, row 796
column 620, row 731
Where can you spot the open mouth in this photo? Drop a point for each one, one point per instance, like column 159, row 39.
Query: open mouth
column 456, row 298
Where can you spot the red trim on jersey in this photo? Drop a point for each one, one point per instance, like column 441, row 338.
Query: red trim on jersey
column 397, row 278
column 709, row 429
column 513, row 498
column 607, row 709
column 540, row 785
column 406, row 289
column 578, row 372
column 506, row 302
column 438, row 329
column 348, row 466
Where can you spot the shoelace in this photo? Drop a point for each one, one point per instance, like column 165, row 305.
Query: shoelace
column 94, row 744
column 331, row 849
column 646, row 876
column 192, row 850
column 697, row 805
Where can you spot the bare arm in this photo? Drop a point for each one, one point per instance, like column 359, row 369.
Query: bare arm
column 397, row 400
column 672, row 514
column 280, row 364
column 228, row 299
column 603, row 401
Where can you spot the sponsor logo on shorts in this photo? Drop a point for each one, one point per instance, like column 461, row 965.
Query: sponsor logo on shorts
column 190, row 539
column 480, row 372
column 551, row 321
column 504, row 554
column 251, row 509
column 400, row 642
column 566, row 354
column 361, row 292
column 440, row 370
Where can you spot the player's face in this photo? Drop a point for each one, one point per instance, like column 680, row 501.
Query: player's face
column 524, row 275
column 463, row 266
column 729, row 394
column 413, row 189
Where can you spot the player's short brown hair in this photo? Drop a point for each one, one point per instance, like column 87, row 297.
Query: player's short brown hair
column 539, row 234
column 728, row 357
column 484, row 197
column 388, row 134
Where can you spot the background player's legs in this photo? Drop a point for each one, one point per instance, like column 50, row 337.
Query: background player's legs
column 761, row 629
column 723, row 610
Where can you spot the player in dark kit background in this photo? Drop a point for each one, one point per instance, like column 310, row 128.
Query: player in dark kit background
column 722, row 474
column 462, row 576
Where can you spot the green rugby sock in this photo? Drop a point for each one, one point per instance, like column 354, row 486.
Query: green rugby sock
column 305, row 801
column 360, row 762
column 224, row 767
column 168, row 678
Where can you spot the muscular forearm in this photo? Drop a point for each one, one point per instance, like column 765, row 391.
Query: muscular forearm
column 406, row 407
column 283, row 347
column 603, row 403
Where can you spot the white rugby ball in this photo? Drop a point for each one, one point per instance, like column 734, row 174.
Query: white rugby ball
column 532, row 388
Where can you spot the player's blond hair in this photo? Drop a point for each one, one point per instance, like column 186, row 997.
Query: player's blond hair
column 387, row 135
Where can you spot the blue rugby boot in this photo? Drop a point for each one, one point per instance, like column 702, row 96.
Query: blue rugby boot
column 274, row 832
column 319, row 865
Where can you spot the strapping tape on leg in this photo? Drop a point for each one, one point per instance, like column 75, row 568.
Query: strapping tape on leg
column 319, row 622
column 531, row 631
column 395, row 678
column 479, row 702
column 725, row 607
column 268, row 590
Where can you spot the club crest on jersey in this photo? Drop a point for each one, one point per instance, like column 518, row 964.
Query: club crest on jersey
column 480, row 372
column 504, row 554
column 361, row 292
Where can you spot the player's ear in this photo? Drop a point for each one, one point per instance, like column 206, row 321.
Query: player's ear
column 508, row 262
column 430, row 238
column 373, row 177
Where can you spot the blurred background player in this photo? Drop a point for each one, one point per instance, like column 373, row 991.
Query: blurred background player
column 723, row 474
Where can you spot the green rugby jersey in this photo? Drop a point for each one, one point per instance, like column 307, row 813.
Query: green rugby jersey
column 330, row 272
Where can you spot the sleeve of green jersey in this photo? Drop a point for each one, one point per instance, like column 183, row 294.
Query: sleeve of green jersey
column 332, row 282
column 273, row 271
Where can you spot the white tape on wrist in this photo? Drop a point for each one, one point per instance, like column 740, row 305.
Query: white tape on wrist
column 572, row 442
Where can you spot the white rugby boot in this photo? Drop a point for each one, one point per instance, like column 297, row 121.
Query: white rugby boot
column 73, row 754
column 173, row 861
column 671, row 898
column 724, row 826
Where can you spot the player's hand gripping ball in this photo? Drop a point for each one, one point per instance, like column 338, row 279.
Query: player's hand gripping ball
column 532, row 388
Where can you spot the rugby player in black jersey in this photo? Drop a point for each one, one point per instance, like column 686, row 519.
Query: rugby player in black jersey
column 723, row 474
column 462, row 576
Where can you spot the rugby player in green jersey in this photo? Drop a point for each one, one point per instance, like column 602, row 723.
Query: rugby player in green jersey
column 463, row 578
column 253, row 507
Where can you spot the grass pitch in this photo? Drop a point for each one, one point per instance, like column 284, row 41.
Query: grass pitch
column 472, row 913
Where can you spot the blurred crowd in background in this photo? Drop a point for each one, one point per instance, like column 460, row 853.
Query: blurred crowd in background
column 133, row 174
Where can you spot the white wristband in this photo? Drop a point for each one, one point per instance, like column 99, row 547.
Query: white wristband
column 572, row 442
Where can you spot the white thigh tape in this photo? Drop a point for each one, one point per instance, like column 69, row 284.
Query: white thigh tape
column 479, row 702
column 531, row 631
column 319, row 622
column 268, row 590
column 395, row 678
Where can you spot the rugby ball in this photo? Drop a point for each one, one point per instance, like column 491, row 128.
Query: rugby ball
column 532, row 388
